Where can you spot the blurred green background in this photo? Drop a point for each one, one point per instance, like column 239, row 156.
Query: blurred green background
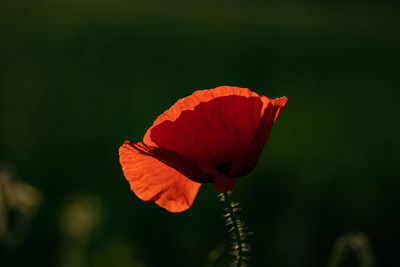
column 78, row 78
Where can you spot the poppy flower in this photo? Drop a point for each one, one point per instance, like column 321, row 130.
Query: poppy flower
column 212, row 136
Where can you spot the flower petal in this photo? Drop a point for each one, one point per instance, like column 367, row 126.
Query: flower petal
column 190, row 102
column 249, row 159
column 153, row 180
column 213, row 126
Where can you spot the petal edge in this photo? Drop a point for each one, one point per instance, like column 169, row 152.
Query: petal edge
column 152, row 180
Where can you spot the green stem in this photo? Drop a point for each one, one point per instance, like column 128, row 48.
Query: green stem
column 236, row 228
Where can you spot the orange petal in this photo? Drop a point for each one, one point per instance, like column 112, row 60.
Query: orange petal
column 189, row 167
column 152, row 180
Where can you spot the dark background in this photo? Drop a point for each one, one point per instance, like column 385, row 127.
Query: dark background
column 77, row 78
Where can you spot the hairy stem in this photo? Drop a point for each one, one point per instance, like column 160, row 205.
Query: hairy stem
column 237, row 229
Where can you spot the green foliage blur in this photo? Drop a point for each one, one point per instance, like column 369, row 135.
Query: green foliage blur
column 78, row 78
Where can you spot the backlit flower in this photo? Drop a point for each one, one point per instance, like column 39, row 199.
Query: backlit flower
column 212, row 136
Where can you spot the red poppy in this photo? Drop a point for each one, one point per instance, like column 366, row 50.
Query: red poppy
column 212, row 136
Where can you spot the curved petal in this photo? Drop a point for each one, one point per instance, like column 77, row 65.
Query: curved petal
column 152, row 180
column 215, row 127
column 249, row 159
column 190, row 102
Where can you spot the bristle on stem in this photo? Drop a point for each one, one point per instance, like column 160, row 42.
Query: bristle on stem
column 237, row 228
